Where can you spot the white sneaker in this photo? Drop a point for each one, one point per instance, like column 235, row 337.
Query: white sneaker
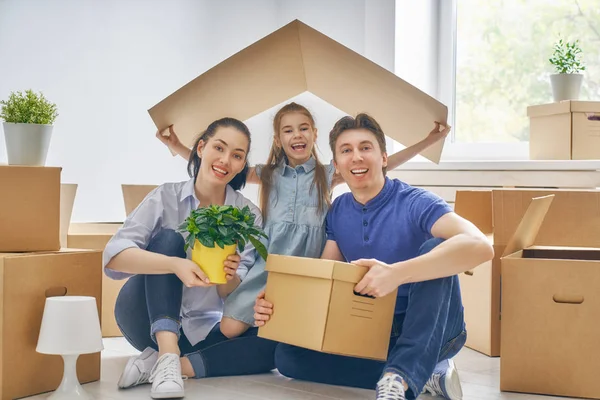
column 390, row 387
column 137, row 370
column 166, row 379
column 444, row 381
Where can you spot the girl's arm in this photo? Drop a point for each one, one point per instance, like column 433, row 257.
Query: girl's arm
column 439, row 132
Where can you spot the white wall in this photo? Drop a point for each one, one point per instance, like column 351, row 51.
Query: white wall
column 106, row 62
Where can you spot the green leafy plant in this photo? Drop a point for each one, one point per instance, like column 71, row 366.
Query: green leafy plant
column 567, row 57
column 223, row 226
column 28, row 108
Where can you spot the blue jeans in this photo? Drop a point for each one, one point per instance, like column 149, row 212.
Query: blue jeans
column 431, row 330
column 151, row 303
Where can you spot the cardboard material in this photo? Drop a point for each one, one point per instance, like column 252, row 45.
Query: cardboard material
column 315, row 307
column 573, row 221
column 568, row 130
column 27, row 279
column 134, row 194
column 294, row 59
column 95, row 236
column 67, row 200
column 29, row 208
column 550, row 306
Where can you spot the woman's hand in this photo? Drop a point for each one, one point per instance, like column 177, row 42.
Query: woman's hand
column 189, row 273
column 169, row 138
column 262, row 310
column 231, row 265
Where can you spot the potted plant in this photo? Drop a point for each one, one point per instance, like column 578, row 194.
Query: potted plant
column 28, row 119
column 566, row 83
column 214, row 232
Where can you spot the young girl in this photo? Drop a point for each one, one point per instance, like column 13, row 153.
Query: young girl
column 168, row 307
column 295, row 195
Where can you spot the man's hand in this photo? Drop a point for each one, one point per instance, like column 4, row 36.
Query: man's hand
column 379, row 281
column 439, row 132
column 262, row 310
column 190, row 273
column 231, row 265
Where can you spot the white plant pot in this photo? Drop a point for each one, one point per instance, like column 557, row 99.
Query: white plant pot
column 566, row 86
column 27, row 144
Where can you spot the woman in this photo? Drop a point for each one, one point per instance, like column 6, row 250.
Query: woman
column 168, row 308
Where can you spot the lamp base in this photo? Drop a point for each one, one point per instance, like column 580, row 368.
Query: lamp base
column 70, row 388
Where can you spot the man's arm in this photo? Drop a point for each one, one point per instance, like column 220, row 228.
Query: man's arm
column 438, row 133
column 464, row 248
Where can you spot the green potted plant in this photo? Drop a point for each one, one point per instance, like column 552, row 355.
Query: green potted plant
column 28, row 119
column 214, row 232
column 566, row 82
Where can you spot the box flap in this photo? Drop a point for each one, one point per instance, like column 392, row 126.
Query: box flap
column 348, row 272
column 303, row 266
column 585, row 106
column 529, row 226
column 543, row 110
column 290, row 61
column 476, row 207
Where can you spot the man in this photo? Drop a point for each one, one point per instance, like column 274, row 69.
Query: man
column 409, row 239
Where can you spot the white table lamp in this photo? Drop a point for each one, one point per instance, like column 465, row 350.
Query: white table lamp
column 70, row 327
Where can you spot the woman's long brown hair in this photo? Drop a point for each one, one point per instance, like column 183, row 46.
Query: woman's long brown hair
column 276, row 158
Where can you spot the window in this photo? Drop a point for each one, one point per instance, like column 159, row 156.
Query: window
column 491, row 63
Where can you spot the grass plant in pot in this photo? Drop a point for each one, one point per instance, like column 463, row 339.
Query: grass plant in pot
column 28, row 119
column 566, row 82
column 214, row 232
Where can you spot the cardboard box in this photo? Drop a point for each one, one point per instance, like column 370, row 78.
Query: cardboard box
column 315, row 307
column 292, row 60
column 550, row 305
column 27, row 279
column 29, row 208
column 134, row 194
column 569, row 130
column 574, row 220
column 95, row 236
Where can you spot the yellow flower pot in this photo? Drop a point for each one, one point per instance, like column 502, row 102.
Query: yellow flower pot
column 211, row 260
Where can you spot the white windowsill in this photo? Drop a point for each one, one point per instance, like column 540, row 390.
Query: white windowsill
column 503, row 165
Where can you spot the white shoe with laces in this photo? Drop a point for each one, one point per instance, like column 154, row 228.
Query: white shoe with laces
column 390, row 387
column 166, row 379
column 444, row 381
column 137, row 370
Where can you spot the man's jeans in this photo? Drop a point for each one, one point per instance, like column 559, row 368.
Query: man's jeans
column 431, row 330
column 151, row 303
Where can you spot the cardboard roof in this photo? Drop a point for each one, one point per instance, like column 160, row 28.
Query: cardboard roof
column 292, row 60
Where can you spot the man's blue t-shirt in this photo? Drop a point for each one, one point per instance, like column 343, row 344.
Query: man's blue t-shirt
column 390, row 228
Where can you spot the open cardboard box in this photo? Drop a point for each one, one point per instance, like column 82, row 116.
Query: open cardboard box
column 314, row 306
column 292, row 60
column 573, row 221
column 95, row 236
column 550, row 303
column 133, row 195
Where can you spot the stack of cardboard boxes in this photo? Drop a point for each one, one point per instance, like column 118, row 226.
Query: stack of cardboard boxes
column 33, row 266
column 568, row 130
column 535, row 304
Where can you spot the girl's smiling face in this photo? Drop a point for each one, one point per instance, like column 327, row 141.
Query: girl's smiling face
column 296, row 137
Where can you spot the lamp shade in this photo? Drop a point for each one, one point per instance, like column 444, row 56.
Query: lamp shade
column 70, row 326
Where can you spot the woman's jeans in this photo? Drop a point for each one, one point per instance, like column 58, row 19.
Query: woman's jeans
column 431, row 330
column 151, row 303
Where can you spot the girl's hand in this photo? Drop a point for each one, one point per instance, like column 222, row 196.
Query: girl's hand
column 262, row 310
column 231, row 265
column 190, row 273
column 439, row 132
column 169, row 137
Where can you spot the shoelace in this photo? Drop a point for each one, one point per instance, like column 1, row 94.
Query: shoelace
column 433, row 385
column 144, row 377
column 166, row 369
column 390, row 388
